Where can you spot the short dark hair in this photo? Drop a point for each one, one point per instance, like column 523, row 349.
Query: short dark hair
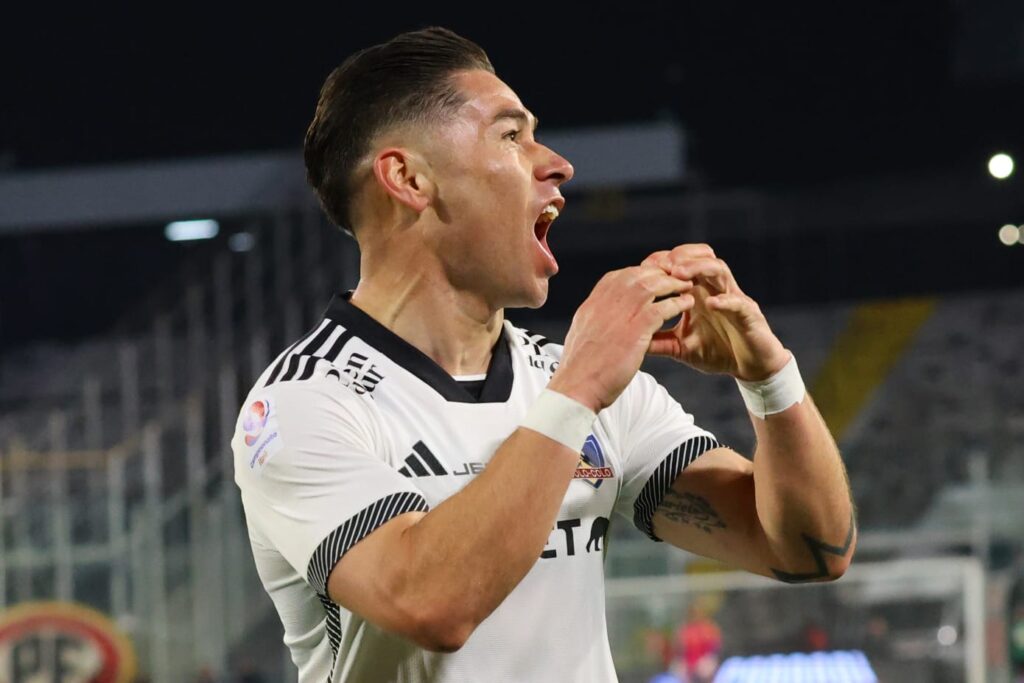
column 407, row 79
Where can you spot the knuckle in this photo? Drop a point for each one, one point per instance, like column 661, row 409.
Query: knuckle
column 657, row 256
column 694, row 247
column 652, row 281
column 636, row 275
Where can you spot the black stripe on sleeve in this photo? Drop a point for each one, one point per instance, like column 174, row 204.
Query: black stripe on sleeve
column 285, row 356
column 660, row 482
column 339, row 343
column 310, row 367
column 318, row 341
column 293, row 367
column 308, row 349
column 332, row 623
column 355, row 529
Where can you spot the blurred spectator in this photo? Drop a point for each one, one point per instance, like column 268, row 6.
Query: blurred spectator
column 247, row 673
column 658, row 644
column 876, row 643
column 815, row 637
column 205, row 675
column 699, row 643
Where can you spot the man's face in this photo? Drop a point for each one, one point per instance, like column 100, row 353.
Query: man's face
column 494, row 182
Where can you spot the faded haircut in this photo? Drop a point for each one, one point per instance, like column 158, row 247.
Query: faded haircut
column 407, row 79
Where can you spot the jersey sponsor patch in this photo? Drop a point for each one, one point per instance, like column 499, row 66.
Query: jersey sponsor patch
column 262, row 435
column 593, row 468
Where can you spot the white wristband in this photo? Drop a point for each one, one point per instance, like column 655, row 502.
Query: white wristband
column 559, row 417
column 780, row 391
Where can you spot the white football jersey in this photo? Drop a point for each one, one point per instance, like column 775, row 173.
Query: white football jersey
column 352, row 426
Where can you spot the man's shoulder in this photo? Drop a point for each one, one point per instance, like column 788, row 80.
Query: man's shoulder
column 302, row 389
column 324, row 387
column 318, row 414
column 327, row 358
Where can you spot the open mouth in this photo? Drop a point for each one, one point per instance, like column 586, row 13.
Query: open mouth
column 543, row 225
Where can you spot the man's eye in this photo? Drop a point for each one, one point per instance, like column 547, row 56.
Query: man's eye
column 512, row 135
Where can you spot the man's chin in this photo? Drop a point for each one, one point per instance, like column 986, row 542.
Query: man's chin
column 536, row 297
column 542, row 293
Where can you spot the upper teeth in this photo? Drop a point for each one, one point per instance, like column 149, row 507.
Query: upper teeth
column 551, row 211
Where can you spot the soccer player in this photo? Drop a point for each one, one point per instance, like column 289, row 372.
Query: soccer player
column 428, row 487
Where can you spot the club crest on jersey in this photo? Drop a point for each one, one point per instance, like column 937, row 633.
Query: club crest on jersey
column 593, row 468
column 261, row 433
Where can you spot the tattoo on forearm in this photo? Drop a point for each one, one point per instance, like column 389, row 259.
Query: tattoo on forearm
column 689, row 508
column 818, row 550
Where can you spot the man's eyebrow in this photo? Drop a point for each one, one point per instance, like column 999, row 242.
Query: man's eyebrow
column 517, row 114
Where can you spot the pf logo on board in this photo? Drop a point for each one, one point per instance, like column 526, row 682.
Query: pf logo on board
column 62, row 643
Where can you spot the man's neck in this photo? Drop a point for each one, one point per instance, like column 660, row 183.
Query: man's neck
column 455, row 328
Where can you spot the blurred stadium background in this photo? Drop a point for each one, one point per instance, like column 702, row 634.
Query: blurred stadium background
column 838, row 159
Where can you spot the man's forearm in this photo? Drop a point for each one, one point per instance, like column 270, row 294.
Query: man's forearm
column 470, row 552
column 803, row 494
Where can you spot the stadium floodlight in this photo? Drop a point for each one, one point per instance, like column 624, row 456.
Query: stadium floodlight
column 1009, row 234
column 1000, row 166
column 185, row 231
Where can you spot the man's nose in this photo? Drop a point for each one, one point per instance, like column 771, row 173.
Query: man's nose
column 554, row 167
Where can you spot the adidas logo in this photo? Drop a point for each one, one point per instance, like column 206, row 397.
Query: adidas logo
column 422, row 463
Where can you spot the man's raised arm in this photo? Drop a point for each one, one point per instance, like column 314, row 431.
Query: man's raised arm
column 788, row 514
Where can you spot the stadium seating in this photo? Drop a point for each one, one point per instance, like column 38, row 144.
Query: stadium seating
column 169, row 378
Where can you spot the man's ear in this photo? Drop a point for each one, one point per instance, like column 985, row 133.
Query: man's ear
column 403, row 174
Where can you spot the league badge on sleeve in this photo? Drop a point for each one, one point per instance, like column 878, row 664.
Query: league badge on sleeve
column 261, row 433
column 593, row 468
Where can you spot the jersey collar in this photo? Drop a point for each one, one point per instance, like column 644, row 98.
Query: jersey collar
column 497, row 386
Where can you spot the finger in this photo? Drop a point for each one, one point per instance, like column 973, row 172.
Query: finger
column 737, row 306
column 673, row 307
column 654, row 283
column 665, row 259
column 664, row 344
column 669, row 343
column 659, row 259
column 714, row 272
column 697, row 267
column 692, row 251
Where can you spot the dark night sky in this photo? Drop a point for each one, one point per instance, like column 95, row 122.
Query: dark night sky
column 770, row 94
